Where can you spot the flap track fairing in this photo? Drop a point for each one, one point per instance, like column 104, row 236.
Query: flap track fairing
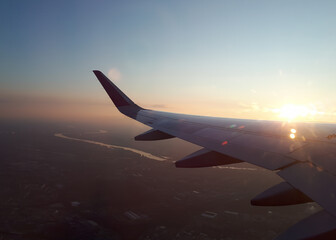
column 153, row 135
column 205, row 158
column 321, row 225
column 281, row 194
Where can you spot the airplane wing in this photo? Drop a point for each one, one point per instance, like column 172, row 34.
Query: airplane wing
column 303, row 154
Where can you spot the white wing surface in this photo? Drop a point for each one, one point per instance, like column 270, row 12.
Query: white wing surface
column 303, row 154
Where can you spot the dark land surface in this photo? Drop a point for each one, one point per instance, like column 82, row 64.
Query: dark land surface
column 55, row 188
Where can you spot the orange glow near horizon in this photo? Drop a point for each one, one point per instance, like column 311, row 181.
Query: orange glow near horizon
column 98, row 108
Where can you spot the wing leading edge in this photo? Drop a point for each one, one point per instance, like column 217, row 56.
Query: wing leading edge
column 268, row 144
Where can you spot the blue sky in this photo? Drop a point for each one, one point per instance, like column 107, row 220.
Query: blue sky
column 224, row 58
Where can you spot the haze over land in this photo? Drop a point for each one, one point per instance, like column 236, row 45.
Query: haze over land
column 73, row 188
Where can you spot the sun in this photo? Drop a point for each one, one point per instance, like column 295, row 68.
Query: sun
column 291, row 112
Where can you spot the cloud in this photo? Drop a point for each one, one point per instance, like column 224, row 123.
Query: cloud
column 114, row 74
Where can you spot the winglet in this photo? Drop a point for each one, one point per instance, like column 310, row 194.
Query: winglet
column 120, row 100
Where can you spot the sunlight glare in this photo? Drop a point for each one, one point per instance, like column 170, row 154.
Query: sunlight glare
column 292, row 111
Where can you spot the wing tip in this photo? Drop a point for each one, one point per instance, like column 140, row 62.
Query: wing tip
column 97, row 72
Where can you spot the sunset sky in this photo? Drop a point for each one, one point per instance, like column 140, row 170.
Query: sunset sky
column 243, row 59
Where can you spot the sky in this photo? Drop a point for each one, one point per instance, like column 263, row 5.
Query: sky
column 270, row 60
